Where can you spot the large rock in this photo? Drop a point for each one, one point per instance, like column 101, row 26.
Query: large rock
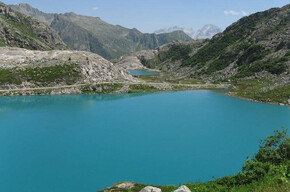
column 125, row 185
column 182, row 188
column 150, row 189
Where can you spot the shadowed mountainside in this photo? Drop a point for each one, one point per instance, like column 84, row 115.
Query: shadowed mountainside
column 19, row 30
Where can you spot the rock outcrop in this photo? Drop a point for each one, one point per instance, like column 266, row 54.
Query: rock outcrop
column 129, row 62
column 150, row 189
column 136, row 60
column 183, row 188
column 125, row 185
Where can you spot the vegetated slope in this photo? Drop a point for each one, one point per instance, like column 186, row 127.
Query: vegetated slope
column 19, row 30
column 267, row 171
column 259, row 42
column 255, row 47
column 93, row 34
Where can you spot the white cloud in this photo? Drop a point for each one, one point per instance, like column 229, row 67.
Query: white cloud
column 96, row 8
column 232, row 12
column 244, row 13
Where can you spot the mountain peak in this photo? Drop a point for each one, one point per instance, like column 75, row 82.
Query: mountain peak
column 207, row 31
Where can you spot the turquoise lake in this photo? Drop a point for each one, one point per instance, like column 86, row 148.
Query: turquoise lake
column 87, row 143
column 141, row 73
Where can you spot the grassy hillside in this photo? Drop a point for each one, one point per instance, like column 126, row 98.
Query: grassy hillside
column 259, row 42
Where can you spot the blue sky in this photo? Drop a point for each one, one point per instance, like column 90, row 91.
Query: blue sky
column 150, row 15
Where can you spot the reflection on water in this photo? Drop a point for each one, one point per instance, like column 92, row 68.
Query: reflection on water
column 29, row 102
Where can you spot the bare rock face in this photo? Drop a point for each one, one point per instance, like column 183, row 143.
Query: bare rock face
column 136, row 61
column 130, row 62
column 150, row 189
column 85, row 67
column 183, row 188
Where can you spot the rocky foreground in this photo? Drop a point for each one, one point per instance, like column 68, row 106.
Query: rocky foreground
column 129, row 186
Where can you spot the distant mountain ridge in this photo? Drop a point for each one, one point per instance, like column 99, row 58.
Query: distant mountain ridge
column 92, row 34
column 206, row 32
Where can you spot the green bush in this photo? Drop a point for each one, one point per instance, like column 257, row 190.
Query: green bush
column 275, row 149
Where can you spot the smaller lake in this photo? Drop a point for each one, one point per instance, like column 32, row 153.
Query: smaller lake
column 136, row 72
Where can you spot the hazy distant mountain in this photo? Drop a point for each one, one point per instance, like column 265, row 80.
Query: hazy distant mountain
column 208, row 31
column 92, row 34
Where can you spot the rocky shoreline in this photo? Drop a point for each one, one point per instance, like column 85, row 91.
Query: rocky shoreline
column 131, row 186
column 253, row 100
column 109, row 88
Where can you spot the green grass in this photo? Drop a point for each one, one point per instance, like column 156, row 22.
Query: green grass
column 139, row 88
column 8, row 77
column 256, row 89
column 2, row 44
column 211, row 51
column 67, row 73
column 102, row 88
column 178, row 52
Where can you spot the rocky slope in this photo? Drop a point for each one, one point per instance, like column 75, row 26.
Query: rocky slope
column 19, row 30
column 22, row 68
column 135, row 61
column 92, row 34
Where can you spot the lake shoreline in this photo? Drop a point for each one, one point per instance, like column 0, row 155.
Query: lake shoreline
column 256, row 101
column 123, row 88
column 109, row 88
